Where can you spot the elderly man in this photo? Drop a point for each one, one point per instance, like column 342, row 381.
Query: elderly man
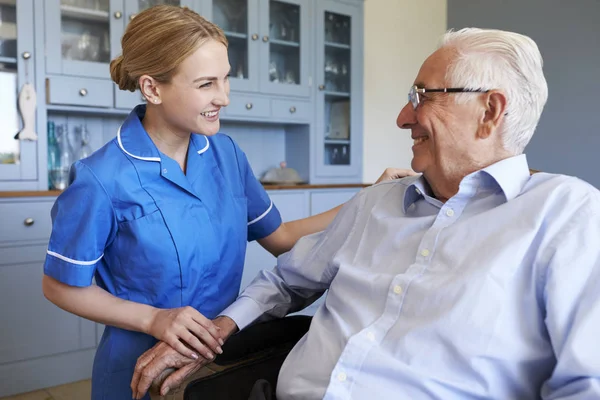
column 474, row 280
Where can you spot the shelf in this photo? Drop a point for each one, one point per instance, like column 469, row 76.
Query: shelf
column 284, row 43
column 337, row 94
column 236, row 35
column 336, row 141
column 87, row 110
column 338, row 45
column 86, row 14
column 8, row 60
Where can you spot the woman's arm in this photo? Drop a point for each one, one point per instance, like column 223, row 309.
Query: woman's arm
column 286, row 236
column 168, row 325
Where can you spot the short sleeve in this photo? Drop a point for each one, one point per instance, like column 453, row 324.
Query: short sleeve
column 263, row 216
column 83, row 223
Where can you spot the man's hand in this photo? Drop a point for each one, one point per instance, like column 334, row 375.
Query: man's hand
column 161, row 357
column 153, row 362
column 395, row 173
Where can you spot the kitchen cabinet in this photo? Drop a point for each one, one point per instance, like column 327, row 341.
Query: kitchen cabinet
column 18, row 158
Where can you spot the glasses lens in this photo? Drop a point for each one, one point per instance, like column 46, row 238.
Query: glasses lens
column 413, row 97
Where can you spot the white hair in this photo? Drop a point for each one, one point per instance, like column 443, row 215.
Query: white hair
column 493, row 59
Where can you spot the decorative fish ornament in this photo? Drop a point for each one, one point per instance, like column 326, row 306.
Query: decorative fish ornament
column 27, row 105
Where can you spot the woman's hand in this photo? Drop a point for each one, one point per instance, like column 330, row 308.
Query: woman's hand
column 180, row 326
column 395, row 173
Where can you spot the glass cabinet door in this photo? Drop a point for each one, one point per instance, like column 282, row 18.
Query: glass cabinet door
column 285, row 57
column 80, row 31
column 238, row 19
column 17, row 158
column 338, row 151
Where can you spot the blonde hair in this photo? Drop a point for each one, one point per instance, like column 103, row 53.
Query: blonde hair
column 156, row 42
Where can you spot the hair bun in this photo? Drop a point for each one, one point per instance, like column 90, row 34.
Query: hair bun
column 120, row 76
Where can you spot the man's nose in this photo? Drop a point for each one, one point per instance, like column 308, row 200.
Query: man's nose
column 407, row 117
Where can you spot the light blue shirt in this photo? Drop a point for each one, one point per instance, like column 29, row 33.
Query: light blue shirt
column 494, row 294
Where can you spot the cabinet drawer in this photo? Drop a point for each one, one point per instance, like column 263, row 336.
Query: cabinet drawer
column 247, row 106
column 291, row 110
column 25, row 221
column 29, row 254
column 79, row 91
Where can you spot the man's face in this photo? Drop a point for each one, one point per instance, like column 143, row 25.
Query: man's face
column 444, row 133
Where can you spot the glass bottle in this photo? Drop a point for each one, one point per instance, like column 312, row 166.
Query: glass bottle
column 60, row 172
column 53, row 156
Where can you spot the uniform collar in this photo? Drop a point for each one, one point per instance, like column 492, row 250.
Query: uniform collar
column 510, row 175
column 135, row 142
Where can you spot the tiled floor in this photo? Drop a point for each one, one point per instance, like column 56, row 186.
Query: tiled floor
column 81, row 390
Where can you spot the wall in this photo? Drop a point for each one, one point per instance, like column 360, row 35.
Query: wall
column 399, row 35
column 568, row 35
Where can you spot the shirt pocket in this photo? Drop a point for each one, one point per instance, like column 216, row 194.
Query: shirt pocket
column 147, row 261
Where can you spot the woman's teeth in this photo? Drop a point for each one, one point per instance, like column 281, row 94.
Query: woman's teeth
column 420, row 140
column 209, row 113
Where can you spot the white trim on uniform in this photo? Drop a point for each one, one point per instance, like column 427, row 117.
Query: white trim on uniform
column 131, row 155
column 70, row 260
column 262, row 215
column 205, row 147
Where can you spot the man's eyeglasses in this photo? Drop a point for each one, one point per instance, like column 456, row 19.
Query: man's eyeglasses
column 415, row 92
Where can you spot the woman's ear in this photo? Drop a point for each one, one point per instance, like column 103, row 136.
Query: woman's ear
column 149, row 89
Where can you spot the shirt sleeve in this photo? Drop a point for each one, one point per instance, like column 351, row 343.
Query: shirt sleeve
column 301, row 275
column 83, row 223
column 263, row 216
column 572, row 306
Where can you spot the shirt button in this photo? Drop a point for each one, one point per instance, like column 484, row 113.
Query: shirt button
column 449, row 212
column 397, row 289
column 341, row 377
column 371, row 336
column 164, row 171
column 425, row 252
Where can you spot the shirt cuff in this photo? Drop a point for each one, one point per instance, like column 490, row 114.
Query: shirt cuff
column 68, row 273
column 243, row 312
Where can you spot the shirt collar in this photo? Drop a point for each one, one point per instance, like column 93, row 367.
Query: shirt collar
column 135, row 142
column 510, row 175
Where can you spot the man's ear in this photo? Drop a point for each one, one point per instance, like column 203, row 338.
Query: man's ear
column 494, row 112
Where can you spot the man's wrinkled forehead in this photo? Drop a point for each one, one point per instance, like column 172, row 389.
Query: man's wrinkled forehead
column 433, row 70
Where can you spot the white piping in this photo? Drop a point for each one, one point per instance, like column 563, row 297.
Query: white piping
column 70, row 260
column 205, row 147
column 262, row 215
column 131, row 155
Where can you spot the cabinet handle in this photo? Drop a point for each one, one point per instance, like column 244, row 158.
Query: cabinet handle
column 26, row 55
column 265, row 39
column 132, row 16
column 118, row 14
column 254, row 36
column 321, row 87
column 292, row 109
column 28, row 221
column 248, row 106
column 83, row 92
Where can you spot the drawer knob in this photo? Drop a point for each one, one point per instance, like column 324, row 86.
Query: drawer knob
column 265, row 38
column 255, row 36
column 321, row 87
column 248, row 106
column 83, row 92
column 118, row 14
column 26, row 55
column 292, row 109
column 28, row 221
column 132, row 16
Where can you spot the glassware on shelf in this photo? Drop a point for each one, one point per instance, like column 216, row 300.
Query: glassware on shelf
column 53, row 156
column 59, row 172
column 83, row 138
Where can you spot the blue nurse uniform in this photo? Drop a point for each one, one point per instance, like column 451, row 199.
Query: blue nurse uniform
column 151, row 234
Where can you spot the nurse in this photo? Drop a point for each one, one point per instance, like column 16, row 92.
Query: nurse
column 160, row 216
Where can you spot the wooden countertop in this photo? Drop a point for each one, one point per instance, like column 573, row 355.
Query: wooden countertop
column 54, row 193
